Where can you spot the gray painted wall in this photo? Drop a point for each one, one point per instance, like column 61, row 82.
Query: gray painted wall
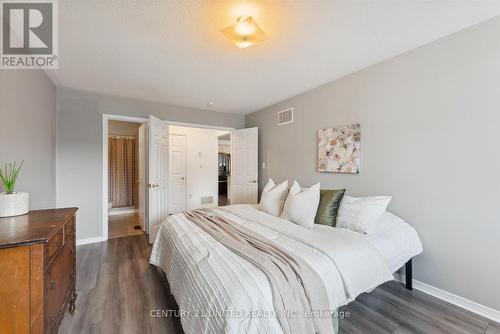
column 27, row 132
column 79, row 140
column 430, row 138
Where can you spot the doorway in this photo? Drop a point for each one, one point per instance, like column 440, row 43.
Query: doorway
column 155, row 186
column 195, row 174
column 126, row 178
column 224, row 166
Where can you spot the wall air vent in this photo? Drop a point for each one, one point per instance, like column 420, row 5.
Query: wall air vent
column 285, row 116
column 207, row 200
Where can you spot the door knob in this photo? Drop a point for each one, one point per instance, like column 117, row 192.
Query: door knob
column 152, row 185
column 253, row 181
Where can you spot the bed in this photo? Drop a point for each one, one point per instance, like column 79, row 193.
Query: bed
column 397, row 242
column 218, row 291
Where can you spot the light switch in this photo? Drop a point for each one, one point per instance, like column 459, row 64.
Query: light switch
column 263, row 165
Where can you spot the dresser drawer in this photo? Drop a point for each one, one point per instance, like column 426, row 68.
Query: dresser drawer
column 58, row 282
column 54, row 295
column 53, row 247
column 69, row 253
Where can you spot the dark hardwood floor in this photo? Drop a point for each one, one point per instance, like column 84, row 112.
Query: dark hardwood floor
column 117, row 289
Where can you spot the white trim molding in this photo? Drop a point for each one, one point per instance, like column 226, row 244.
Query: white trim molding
column 86, row 241
column 196, row 125
column 451, row 298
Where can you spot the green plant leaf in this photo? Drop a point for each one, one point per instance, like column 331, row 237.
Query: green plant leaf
column 9, row 175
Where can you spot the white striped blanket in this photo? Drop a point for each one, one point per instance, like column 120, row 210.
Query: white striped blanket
column 219, row 291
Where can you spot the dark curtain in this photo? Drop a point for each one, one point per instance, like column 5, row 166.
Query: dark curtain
column 121, row 171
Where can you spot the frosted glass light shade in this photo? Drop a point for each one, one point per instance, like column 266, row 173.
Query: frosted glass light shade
column 245, row 32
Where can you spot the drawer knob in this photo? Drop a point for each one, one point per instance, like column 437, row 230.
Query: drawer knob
column 53, row 284
column 52, row 317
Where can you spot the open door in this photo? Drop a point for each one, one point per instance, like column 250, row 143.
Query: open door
column 177, row 173
column 158, row 175
column 244, row 164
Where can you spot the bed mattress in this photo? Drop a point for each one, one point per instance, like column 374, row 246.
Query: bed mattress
column 207, row 277
column 395, row 240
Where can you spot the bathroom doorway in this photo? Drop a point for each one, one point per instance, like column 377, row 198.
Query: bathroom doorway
column 126, row 178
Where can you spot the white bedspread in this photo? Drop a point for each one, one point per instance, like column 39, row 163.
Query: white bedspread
column 394, row 239
column 216, row 290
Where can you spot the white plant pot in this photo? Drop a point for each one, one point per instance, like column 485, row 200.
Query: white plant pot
column 15, row 204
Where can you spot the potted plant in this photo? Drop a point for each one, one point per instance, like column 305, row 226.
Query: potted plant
column 12, row 203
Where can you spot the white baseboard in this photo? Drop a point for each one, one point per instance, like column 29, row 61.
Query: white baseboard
column 118, row 211
column 451, row 298
column 86, row 241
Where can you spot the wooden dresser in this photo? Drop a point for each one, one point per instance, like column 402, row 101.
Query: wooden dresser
column 37, row 270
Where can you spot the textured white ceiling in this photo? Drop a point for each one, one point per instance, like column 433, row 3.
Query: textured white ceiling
column 172, row 51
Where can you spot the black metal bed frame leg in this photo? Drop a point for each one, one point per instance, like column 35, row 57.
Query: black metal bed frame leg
column 409, row 275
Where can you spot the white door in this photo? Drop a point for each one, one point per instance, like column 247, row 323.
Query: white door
column 177, row 173
column 158, row 175
column 244, row 166
column 141, row 181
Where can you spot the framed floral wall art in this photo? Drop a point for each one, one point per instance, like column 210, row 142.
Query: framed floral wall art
column 339, row 149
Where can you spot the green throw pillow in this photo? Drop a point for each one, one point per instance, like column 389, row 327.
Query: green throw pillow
column 328, row 208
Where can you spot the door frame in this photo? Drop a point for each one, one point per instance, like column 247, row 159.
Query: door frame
column 105, row 123
column 197, row 125
column 201, row 126
column 143, row 155
column 104, row 145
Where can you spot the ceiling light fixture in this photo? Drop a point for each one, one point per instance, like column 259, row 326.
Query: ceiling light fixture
column 245, row 32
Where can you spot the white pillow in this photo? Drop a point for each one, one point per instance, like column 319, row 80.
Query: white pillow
column 301, row 205
column 361, row 214
column 271, row 200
